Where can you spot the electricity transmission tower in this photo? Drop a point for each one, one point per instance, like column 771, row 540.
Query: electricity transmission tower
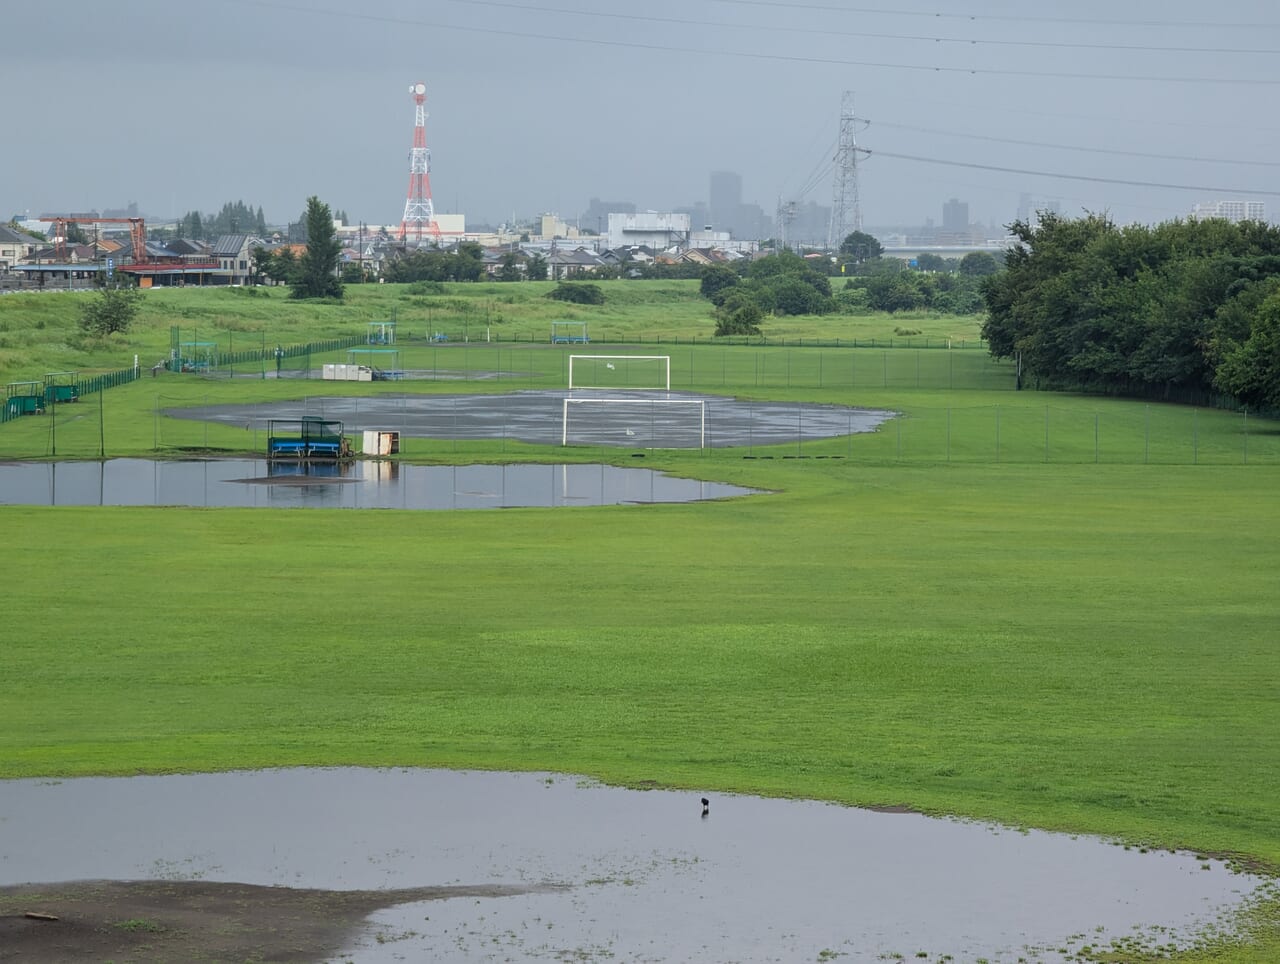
column 846, row 208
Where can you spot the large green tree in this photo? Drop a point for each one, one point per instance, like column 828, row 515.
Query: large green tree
column 111, row 310
column 1250, row 369
column 717, row 279
column 859, row 246
column 317, row 275
column 1149, row 310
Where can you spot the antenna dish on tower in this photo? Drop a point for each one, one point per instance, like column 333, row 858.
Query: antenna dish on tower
column 418, row 89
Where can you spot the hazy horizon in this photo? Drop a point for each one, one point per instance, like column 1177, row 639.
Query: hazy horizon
column 539, row 109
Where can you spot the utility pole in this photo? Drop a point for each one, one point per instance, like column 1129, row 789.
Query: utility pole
column 846, row 208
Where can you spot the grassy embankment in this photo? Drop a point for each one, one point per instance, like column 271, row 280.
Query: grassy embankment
column 39, row 333
column 1070, row 646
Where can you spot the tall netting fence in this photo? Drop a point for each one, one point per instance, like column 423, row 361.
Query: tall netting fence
column 584, row 425
column 214, row 354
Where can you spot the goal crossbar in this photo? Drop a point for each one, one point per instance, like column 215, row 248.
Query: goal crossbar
column 662, row 363
column 652, row 404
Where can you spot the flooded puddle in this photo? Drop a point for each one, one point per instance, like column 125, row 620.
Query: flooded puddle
column 585, row 872
column 227, row 483
column 641, row 419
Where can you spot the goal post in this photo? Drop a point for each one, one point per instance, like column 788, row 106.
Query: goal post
column 569, row 333
column 620, row 372
column 661, row 423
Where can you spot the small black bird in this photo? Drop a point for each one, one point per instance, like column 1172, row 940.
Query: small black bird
column 706, row 806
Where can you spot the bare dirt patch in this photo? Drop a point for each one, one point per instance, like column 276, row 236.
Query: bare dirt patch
column 165, row 920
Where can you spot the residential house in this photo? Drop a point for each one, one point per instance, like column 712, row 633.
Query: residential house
column 234, row 254
column 14, row 247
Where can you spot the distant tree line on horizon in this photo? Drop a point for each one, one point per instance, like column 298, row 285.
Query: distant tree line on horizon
column 1181, row 310
column 787, row 283
column 236, row 217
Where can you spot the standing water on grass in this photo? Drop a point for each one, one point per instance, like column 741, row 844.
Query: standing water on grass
column 644, row 875
column 224, row 483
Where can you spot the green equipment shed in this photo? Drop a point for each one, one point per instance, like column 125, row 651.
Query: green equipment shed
column 61, row 387
column 24, row 398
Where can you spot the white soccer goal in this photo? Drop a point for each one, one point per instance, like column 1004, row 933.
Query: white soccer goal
column 660, row 423
column 615, row 372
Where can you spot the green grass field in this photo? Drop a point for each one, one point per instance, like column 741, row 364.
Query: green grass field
column 39, row 333
column 1081, row 642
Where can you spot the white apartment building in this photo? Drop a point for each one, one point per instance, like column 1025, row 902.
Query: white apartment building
column 1233, row 210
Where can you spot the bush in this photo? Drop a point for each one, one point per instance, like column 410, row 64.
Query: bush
column 578, row 293
column 427, row 288
column 853, row 301
column 738, row 314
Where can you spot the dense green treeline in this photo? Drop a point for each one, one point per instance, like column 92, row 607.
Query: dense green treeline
column 1182, row 310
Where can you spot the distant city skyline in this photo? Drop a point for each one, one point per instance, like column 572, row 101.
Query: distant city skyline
column 1140, row 111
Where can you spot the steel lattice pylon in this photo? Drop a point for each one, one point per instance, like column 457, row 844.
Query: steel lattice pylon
column 846, row 208
column 419, row 212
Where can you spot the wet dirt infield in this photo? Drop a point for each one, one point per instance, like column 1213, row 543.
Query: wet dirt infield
column 195, row 920
column 430, row 865
column 635, row 419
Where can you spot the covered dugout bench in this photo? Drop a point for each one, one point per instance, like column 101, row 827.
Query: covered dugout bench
column 308, row 437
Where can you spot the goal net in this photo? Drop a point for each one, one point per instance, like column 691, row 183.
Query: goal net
column 620, row 372
column 569, row 333
column 658, row 423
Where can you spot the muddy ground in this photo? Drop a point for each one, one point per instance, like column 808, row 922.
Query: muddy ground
column 167, row 920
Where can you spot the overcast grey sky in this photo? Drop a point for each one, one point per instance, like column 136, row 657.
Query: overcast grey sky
column 539, row 106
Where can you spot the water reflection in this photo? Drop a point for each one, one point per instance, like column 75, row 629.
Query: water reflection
column 247, row 483
column 647, row 878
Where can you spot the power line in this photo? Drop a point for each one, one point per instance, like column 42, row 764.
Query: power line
column 1075, row 147
column 1075, row 177
column 786, row 58
column 1006, row 18
column 862, row 34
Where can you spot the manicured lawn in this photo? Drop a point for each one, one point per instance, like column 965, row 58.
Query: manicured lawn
column 1039, row 609
column 1042, row 645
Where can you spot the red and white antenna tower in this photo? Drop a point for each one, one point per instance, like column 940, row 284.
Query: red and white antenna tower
column 419, row 213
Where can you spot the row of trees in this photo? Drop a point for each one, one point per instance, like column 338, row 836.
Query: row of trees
column 1181, row 309
column 890, row 285
column 435, row 264
column 236, row 217
column 778, row 284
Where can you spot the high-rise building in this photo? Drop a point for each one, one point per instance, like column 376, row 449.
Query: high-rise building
column 726, row 199
column 1233, row 210
column 1024, row 208
column 955, row 217
column 596, row 216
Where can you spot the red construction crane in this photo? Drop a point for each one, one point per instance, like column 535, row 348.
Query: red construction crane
column 137, row 232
